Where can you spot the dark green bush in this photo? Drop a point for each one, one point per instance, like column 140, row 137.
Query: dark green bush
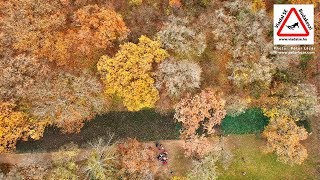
column 251, row 121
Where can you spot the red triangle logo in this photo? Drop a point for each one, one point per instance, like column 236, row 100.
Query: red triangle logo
column 279, row 33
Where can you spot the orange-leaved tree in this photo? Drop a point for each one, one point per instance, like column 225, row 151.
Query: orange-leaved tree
column 58, row 32
column 204, row 110
column 200, row 112
column 283, row 137
column 15, row 125
column 129, row 73
column 136, row 159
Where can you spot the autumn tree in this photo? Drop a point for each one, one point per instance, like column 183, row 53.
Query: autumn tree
column 246, row 72
column 297, row 101
column 129, row 73
column 58, row 32
column 17, row 125
column 236, row 105
column 101, row 162
column 283, row 137
column 137, row 159
column 18, row 73
column 251, row 62
column 177, row 77
column 206, row 168
column 67, row 100
column 64, row 163
column 204, row 110
column 178, row 37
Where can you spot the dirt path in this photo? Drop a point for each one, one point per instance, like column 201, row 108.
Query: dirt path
column 178, row 164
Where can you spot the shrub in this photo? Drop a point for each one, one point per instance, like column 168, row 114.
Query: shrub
column 64, row 163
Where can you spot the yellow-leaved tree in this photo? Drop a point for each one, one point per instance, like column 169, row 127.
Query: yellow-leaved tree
column 129, row 73
column 15, row 125
column 304, row 1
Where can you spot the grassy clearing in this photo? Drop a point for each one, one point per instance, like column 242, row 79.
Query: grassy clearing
column 251, row 121
column 250, row 163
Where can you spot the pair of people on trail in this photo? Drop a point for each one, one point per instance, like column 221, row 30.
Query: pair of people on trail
column 163, row 154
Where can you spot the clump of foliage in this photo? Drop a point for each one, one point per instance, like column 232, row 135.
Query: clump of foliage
column 250, row 48
column 283, row 137
column 18, row 73
column 175, row 3
column 67, row 100
column 65, row 165
column 136, row 159
column 236, row 105
column 251, row 121
column 177, row 77
column 129, row 73
column 304, row 1
column 205, row 110
column 34, row 172
column 135, row 2
column 197, row 147
column 176, row 36
column 258, row 5
column 206, row 168
column 246, row 73
column 101, row 163
column 298, row 101
column 200, row 112
column 52, row 30
column 16, row 125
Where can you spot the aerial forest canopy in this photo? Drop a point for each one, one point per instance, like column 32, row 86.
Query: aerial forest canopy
column 63, row 62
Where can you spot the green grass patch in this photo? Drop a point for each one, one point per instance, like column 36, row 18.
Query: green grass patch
column 250, row 163
column 251, row 121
